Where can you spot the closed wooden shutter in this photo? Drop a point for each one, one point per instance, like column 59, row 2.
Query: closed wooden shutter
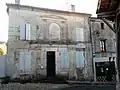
column 21, row 62
column 109, row 45
column 79, row 34
column 64, row 58
column 79, row 59
column 22, row 32
column 97, row 46
column 25, row 62
column 28, row 31
column 25, row 31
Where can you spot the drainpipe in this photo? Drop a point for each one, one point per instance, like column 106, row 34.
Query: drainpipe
column 89, row 22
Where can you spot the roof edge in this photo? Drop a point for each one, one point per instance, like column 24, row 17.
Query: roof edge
column 9, row 5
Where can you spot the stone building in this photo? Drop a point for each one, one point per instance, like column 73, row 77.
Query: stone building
column 48, row 42
column 104, row 50
column 103, row 39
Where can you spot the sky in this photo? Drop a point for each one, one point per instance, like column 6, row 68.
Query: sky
column 83, row 6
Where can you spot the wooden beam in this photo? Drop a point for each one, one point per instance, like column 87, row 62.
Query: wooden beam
column 107, row 14
column 117, row 27
column 105, row 21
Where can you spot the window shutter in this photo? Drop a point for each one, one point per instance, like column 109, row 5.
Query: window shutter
column 25, row 31
column 21, row 62
column 64, row 58
column 109, row 45
column 79, row 59
column 79, row 34
column 22, row 32
column 27, row 62
column 97, row 46
column 28, row 31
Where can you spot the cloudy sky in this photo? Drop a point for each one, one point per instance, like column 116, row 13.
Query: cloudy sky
column 83, row 6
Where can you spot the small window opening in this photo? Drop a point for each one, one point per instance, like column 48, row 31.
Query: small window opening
column 102, row 25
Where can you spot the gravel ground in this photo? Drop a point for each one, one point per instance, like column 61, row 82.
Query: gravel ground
column 48, row 86
column 30, row 86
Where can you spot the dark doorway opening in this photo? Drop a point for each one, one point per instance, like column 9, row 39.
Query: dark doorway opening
column 105, row 71
column 51, row 68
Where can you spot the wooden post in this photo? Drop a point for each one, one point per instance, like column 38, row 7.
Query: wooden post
column 117, row 28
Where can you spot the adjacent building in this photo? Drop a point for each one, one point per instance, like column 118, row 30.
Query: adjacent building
column 103, row 39
column 49, row 42
column 104, row 50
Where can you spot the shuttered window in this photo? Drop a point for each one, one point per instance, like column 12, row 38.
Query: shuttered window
column 22, row 32
column 79, row 59
column 25, row 31
column 25, row 62
column 28, row 31
column 64, row 58
column 79, row 34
